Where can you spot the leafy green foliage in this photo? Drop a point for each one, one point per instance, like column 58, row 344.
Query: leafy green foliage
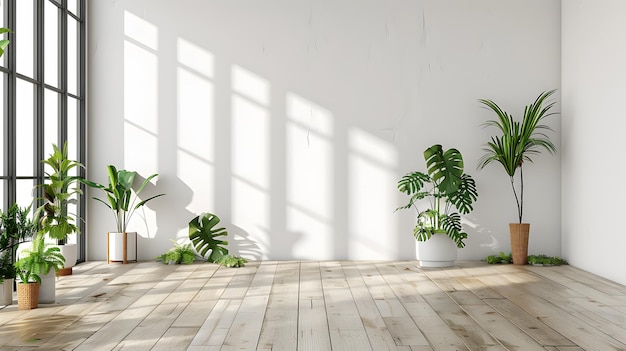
column 532, row 259
column 58, row 193
column 546, row 260
column 40, row 259
column 232, row 261
column 518, row 141
column 500, row 258
column 15, row 228
column 7, row 270
column 4, row 42
column 121, row 198
column 179, row 254
column 204, row 236
column 445, row 182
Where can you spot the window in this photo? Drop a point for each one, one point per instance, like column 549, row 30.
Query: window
column 42, row 84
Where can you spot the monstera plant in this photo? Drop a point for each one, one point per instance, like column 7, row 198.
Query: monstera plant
column 205, row 236
column 442, row 191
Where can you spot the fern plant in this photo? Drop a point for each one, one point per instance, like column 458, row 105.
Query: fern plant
column 205, row 237
column 179, row 254
column 40, row 259
column 446, row 188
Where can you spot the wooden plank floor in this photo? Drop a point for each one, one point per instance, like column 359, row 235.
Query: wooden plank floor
column 334, row 305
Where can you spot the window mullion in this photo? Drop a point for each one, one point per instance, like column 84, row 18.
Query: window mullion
column 9, row 111
column 39, row 102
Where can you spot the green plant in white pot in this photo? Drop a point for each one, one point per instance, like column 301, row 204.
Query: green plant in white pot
column 59, row 192
column 123, row 200
column 512, row 147
column 443, row 190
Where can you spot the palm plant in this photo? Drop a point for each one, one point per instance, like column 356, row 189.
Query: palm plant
column 446, row 188
column 518, row 141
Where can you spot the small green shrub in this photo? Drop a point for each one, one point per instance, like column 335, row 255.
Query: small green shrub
column 232, row 261
column 546, row 260
column 179, row 254
column 500, row 258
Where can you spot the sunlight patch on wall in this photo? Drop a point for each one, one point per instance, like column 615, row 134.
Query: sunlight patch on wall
column 196, row 125
column 373, row 226
column 250, row 85
column 141, row 107
column 250, row 157
column 141, row 31
column 310, row 185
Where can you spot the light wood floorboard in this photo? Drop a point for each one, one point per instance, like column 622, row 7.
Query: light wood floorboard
column 327, row 305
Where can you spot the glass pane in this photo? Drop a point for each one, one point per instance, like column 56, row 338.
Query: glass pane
column 24, row 41
column 24, row 194
column 4, row 36
column 72, row 5
column 51, row 42
column 24, row 121
column 72, row 130
column 3, row 194
column 72, row 55
column 2, row 122
column 51, row 121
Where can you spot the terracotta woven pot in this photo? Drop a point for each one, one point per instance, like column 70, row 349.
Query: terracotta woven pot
column 519, row 233
column 27, row 296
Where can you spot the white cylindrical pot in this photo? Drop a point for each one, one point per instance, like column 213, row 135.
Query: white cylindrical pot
column 438, row 251
column 6, row 292
column 118, row 252
column 47, row 290
column 70, row 252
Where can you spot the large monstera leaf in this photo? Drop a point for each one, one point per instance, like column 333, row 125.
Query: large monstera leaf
column 204, row 236
column 444, row 167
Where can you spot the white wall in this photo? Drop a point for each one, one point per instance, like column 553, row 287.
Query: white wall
column 293, row 120
column 594, row 82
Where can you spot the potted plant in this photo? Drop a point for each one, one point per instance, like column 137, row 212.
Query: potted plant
column 122, row 199
column 446, row 189
column 514, row 145
column 53, row 216
column 33, row 263
column 15, row 228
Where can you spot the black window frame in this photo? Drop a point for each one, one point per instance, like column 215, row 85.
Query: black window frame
column 9, row 175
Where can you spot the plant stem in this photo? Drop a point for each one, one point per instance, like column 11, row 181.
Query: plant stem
column 521, row 205
column 519, row 210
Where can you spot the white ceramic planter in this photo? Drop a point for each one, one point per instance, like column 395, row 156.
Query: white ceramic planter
column 120, row 250
column 47, row 290
column 70, row 252
column 6, row 292
column 438, row 251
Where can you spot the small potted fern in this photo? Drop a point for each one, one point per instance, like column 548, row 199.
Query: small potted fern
column 33, row 266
